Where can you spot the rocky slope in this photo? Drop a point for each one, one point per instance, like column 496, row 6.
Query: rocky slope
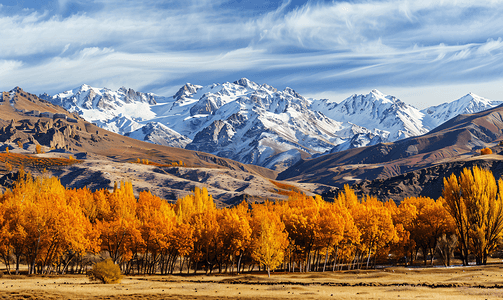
column 426, row 182
column 458, row 138
column 105, row 157
column 257, row 124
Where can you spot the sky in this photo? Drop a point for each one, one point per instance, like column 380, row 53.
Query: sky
column 423, row 52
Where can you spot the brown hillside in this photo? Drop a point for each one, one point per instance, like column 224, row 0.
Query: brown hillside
column 459, row 138
column 82, row 154
column 76, row 135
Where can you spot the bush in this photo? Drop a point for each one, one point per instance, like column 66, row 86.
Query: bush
column 105, row 272
column 486, row 151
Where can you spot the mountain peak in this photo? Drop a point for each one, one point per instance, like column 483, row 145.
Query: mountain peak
column 186, row 91
column 246, row 83
column 468, row 104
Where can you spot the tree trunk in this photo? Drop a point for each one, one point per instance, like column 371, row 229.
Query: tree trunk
column 326, row 258
column 368, row 257
column 32, row 267
column 239, row 261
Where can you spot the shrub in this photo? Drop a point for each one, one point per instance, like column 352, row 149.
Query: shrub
column 486, row 151
column 19, row 144
column 105, row 272
column 38, row 149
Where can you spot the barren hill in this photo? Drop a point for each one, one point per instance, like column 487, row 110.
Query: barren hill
column 27, row 121
column 458, row 139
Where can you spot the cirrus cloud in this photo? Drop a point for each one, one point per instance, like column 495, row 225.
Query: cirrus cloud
column 317, row 48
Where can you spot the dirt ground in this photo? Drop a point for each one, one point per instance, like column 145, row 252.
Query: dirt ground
column 458, row 283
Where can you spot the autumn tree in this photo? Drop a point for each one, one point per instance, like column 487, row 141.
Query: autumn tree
column 430, row 222
column 157, row 221
column 235, row 232
column 120, row 228
column 332, row 224
column 199, row 211
column 374, row 222
column 270, row 238
column 300, row 216
column 475, row 201
column 42, row 223
column 404, row 218
column 5, row 234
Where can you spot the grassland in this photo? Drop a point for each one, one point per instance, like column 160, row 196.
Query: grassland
column 474, row 282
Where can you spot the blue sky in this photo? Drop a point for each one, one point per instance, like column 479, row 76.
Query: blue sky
column 423, row 52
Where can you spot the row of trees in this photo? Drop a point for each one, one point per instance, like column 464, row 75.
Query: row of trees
column 52, row 228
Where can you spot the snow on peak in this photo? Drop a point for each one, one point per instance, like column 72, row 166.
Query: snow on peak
column 375, row 111
column 258, row 124
column 468, row 104
column 157, row 133
column 186, row 91
column 104, row 105
column 245, row 82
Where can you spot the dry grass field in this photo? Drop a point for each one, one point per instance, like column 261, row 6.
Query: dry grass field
column 474, row 282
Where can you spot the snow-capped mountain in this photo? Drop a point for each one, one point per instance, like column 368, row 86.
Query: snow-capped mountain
column 157, row 133
column 393, row 118
column 258, row 124
column 468, row 104
column 118, row 111
column 252, row 123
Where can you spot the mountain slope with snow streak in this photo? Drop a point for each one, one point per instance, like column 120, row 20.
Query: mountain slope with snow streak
column 258, row 124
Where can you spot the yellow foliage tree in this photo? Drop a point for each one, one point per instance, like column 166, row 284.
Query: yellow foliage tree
column 270, row 238
column 157, row 219
column 375, row 223
column 43, row 225
column 120, row 228
column 430, row 222
column 235, row 232
column 475, row 201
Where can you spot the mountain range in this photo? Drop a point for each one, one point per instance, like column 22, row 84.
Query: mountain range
column 258, row 124
column 410, row 166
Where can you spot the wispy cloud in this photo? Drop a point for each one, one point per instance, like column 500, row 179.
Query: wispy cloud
column 314, row 47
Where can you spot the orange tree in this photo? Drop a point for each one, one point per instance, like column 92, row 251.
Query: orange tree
column 235, row 232
column 269, row 238
column 374, row 221
column 430, row 222
column 475, row 201
column 119, row 226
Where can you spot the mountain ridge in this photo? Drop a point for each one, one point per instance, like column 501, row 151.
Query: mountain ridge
column 255, row 124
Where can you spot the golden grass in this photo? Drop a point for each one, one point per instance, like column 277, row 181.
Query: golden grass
column 457, row 283
column 20, row 160
column 151, row 163
column 285, row 189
